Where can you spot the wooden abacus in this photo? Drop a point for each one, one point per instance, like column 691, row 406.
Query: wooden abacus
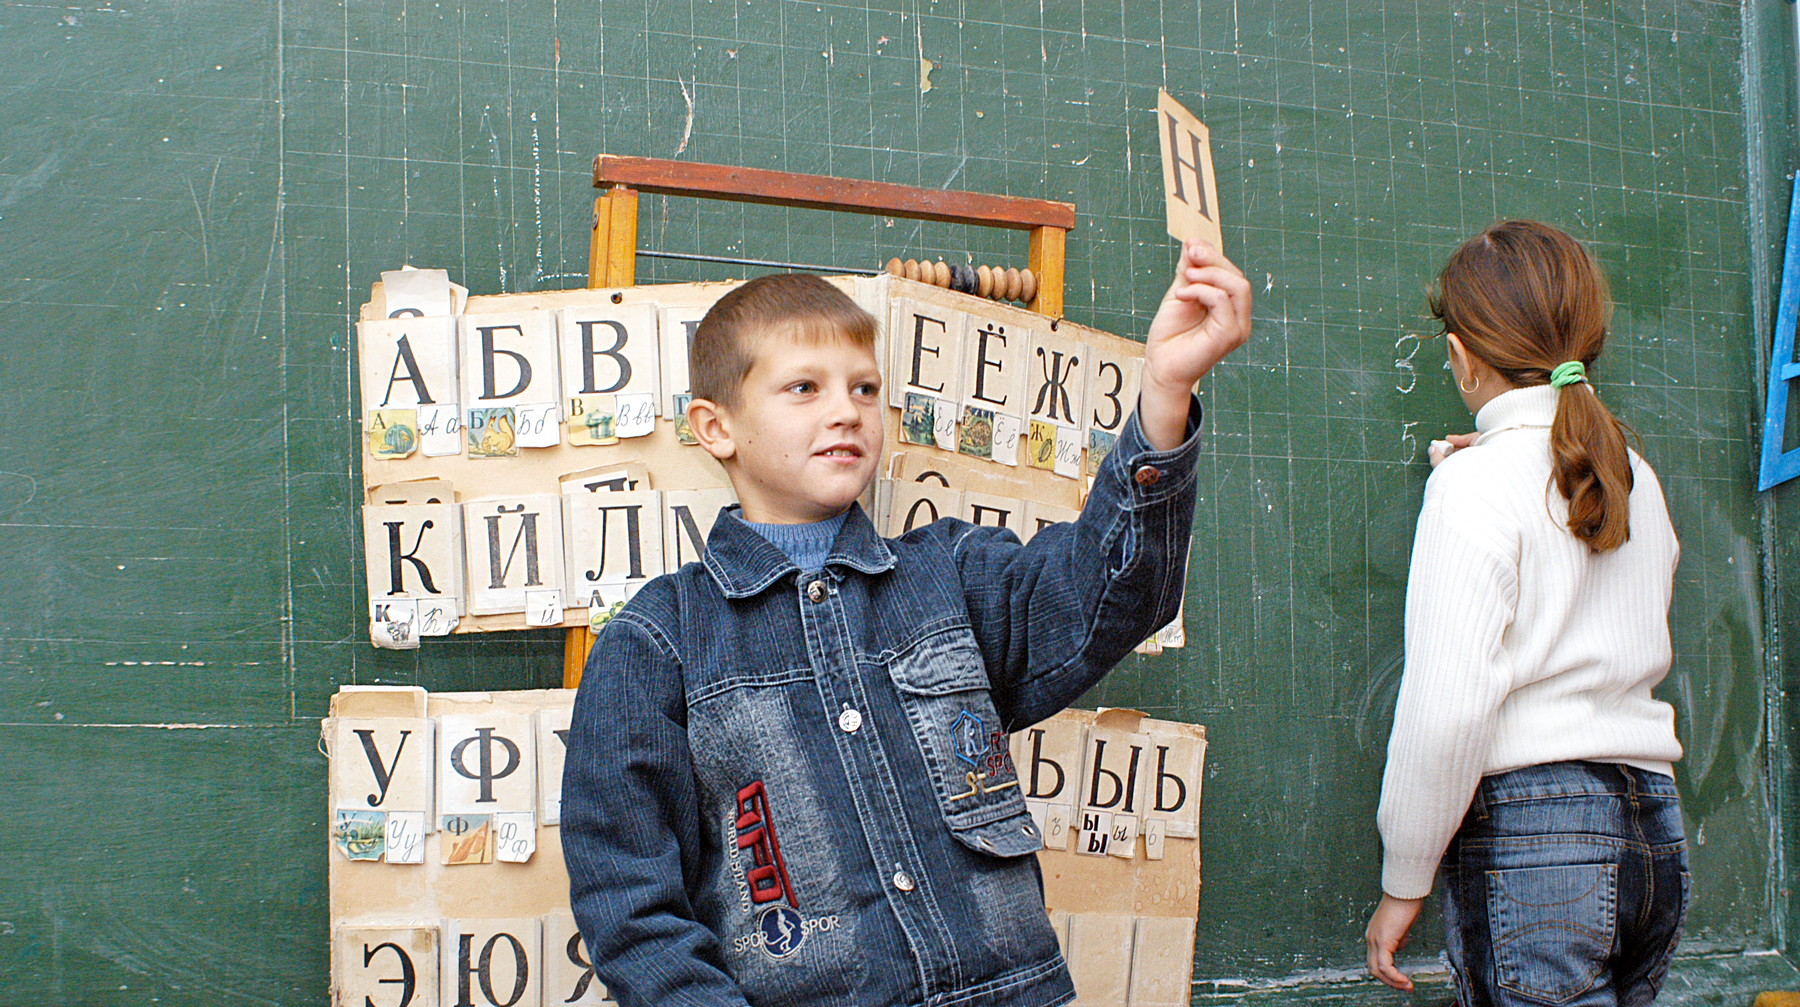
column 995, row 282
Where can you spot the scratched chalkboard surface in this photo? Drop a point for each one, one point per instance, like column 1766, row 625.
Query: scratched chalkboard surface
column 196, row 197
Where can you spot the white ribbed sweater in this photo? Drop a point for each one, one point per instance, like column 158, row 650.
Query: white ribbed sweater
column 1522, row 646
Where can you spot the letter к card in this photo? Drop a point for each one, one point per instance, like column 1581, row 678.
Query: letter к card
column 609, row 349
column 385, row 965
column 403, row 363
column 508, row 359
column 487, row 763
column 510, row 546
column 498, row 956
column 381, row 764
column 415, row 551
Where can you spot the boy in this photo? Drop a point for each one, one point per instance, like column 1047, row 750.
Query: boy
column 787, row 779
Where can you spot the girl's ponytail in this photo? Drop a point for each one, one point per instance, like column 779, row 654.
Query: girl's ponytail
column 1531, row 303
column 1591, row 465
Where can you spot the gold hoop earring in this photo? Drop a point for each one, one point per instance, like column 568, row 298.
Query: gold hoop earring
column 1466, row 390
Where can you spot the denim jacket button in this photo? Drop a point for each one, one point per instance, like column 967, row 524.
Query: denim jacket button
column 849, row 721
column 1147, row 476
column 903, row 881
column 816, row 591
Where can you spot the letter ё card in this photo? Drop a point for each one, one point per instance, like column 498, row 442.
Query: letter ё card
column 1189, row 192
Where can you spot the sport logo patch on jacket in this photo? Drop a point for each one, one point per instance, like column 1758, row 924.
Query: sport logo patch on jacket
column 987, row 754
column 780, row 929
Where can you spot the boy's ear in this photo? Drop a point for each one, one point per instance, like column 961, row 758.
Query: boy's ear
column 711, row 426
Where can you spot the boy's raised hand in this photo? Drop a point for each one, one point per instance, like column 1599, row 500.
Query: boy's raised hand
column 1204, row 316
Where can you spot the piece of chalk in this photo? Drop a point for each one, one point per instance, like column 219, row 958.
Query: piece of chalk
column 1443, row 447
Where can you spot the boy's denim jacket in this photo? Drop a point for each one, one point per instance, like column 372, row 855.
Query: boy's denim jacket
column 796, row 789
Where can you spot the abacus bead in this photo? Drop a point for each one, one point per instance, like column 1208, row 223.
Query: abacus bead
column 1028, row 280
column 912, row 269
column 1013, row 283
column 895, row 267
column 984, row 280
column 940, row 274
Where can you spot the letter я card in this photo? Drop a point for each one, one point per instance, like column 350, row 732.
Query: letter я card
column 568, row 969
column 1189, row 193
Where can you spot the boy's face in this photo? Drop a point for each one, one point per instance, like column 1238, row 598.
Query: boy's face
column 804, row 438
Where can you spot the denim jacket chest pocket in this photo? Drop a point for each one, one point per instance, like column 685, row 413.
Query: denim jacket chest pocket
column 943, row 686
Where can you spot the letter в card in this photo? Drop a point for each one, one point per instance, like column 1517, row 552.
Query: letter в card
column 609, row 349
column 415, row 552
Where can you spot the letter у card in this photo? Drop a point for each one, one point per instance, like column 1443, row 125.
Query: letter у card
column 1189, row 193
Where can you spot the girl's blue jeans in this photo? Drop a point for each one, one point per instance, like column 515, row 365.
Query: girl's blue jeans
column 1567, row 884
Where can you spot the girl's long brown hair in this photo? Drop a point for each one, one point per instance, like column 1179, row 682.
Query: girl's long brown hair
column 1524, row 297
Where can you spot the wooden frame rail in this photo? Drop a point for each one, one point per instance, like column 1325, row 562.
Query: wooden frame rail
column 612, row 247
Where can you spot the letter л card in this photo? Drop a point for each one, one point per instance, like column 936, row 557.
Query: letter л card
column 613, row 539
column 415, row 552
column 491, row 963
column 1172, row 777
column 508, row 359
column 552, row 746
column 404, row 363
column 381, row 763
column 568, row 969
column 609, row 349
column 675, row 327
column 924, row 343
column 385, row 966
column 688, row 517
column 1100, row 957
column 917, row 504
column 487, row 763
column 1162, row 962
column 512, row 545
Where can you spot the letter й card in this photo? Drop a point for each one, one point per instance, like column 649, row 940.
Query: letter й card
column 381, row 764
column 486, row 762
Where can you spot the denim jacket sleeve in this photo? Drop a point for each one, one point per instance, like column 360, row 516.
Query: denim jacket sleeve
column 629, row 801
column 1054, row 616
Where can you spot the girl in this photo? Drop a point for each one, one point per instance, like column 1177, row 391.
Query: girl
column 1527, row 754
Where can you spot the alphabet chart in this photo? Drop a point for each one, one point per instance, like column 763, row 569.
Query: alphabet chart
column 448, row 886
column 527, row 462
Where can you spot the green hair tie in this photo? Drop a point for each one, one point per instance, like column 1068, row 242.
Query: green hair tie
column 1571, row 373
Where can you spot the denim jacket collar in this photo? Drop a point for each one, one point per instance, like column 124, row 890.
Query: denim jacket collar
column 743, row 563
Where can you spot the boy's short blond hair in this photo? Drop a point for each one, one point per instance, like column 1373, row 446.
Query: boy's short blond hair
column 795, row 304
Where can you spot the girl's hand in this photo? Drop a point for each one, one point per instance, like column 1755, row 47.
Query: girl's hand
column 1443, row 449
column 1386, row 935
column 1204, row 316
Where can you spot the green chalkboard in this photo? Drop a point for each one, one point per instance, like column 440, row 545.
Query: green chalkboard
column 195, row 199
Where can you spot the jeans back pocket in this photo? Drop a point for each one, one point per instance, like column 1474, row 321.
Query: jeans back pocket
column 1552, row 928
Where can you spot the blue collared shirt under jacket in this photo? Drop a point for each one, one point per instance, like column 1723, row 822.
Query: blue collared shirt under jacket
column 788, row 789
